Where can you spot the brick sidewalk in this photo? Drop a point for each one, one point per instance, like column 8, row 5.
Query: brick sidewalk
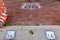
column 47, row 15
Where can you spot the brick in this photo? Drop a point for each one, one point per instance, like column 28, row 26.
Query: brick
column 47, row 14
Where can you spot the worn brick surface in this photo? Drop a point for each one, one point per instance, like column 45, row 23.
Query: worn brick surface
column 48, row 14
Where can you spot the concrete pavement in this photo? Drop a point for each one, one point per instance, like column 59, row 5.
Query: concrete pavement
column 22, row 32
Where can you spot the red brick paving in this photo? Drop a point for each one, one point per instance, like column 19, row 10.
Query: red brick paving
column 48, row 14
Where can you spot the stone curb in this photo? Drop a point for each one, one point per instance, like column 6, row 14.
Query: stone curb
column 32, row 27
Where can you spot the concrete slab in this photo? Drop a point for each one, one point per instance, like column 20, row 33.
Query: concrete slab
column 23, row 34
column 38, row 35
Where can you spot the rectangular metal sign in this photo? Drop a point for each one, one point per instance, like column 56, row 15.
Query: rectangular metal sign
column 10, row 34
column 50, row 35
